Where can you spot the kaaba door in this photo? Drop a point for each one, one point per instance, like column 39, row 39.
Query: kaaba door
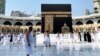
column 58, row 23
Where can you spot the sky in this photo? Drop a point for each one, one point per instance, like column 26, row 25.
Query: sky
column 34, row 6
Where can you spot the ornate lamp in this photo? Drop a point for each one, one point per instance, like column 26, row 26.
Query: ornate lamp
column 65, row 28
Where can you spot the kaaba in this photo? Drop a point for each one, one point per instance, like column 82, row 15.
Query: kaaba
column 54, row 16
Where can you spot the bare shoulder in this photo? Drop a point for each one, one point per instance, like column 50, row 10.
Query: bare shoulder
column 27, row 33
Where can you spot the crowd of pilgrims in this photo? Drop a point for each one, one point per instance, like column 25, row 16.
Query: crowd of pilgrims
column 29, row 39
column 73, row 37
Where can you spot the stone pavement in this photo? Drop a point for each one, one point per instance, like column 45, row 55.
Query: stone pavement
column 78, row 49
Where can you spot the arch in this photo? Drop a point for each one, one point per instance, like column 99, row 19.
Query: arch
column 29, row 23
column 89, row 22
column 39, row 23
column 98, row 26
column 18, row 23
column 7, row 23
column 79, row 23
column 98, row 21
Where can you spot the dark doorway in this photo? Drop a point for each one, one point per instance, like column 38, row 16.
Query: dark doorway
column 99, row 21
column 79, row 23
column 18, row 23
column 7, row 23
column 29, row 24
column 38, row 23
column 89, row 22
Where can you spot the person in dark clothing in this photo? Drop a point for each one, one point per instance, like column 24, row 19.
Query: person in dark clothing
column 79, row 36
column 0, row 37
column 85, row 36
column 89, row 37
column 34, row 35
column 11, row 38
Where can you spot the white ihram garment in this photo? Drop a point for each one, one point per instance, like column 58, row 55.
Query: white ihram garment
column 5, row 40
column 31, row 41
column 97, row 36
column 92, row 35
column 46, row 40
column 60, row 38
column 76, row 38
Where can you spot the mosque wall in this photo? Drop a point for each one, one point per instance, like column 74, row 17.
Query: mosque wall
column 91, row 24
column 12, row 25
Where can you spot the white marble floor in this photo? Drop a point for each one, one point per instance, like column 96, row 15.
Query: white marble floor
column 76, row 49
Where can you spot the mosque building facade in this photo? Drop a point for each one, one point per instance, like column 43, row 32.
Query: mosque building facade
column 21, row 24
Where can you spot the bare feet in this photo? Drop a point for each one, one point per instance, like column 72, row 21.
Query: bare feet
column 28, row 55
